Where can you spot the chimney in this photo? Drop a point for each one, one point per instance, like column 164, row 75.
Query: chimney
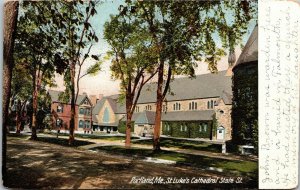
column 93, row 99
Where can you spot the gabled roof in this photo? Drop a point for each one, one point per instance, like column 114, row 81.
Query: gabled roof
column 98, row 106
column 202, row 86
column 54, row 94
column 250, row 51
column 94, row 119
column 205, row 115
column 227, row 98
column 146, row 117
column 118, row 108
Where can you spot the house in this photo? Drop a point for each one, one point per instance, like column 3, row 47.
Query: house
column 197, row 107
column 245, row 94
column 61, row 112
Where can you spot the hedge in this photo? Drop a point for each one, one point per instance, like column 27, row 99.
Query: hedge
column 177, row 129
column 122, row 127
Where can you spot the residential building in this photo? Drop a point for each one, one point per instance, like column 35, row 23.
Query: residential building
column 61, row 112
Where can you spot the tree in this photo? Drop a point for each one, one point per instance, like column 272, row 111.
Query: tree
column 78, row 36
column 183, row 34
column 37, row 45
column 133, row 58
column 10, row 21
column 21, row 90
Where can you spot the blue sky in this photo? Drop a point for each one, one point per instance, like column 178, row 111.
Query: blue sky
column 102, row 82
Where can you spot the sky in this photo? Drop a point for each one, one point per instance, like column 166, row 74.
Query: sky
column 102, row 83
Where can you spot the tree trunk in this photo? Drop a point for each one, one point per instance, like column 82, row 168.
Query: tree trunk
column 18, row 118
column 10, row 23
column 128, row 119
column 72, row 121
column 34, row 104
column 159, row 102
column 128, row 131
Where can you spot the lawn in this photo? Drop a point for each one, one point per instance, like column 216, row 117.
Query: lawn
column 244, row 168
column 92, row 136
column 184, row 144
column 63, row 141
column 18, row 136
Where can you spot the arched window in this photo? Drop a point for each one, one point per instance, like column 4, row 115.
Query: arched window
column 208, row 105
column 211, row 104
column 81, row 124
column 195, row 105
column 81, row 111
column 179, row 106
column 106, row 116
column 174, row 108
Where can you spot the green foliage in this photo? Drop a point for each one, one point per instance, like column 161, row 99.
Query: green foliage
column 122, row 127
column 187, row 129
column 214, row 126
column 187, row 32
column 245, row 105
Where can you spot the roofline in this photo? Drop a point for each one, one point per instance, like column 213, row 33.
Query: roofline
column 245, row 64
column 186, row 120
column 182, row 99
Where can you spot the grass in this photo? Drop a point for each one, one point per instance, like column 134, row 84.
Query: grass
column 184, row 144
column 92, row 136
column 63, row 142
column 248, row 168
column 18, row 136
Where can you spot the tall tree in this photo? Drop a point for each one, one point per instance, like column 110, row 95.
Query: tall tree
column 78, row 37
column 185, row 33
column 133, row 60
column 37, row 47
column 10, row 21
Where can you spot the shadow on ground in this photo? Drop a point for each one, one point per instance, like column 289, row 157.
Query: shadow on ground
column 35, row 164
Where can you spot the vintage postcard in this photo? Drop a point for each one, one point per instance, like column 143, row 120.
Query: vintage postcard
column 130, row 94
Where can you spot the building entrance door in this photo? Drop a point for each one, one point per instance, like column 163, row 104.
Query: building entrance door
column 221, row 133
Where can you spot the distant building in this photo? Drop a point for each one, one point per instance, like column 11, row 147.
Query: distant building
column 107, row 113
column 188, row 111
column 245, row 94
column 61, row 112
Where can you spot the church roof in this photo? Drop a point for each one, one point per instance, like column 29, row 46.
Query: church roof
column 202, row 86
column 250, row 51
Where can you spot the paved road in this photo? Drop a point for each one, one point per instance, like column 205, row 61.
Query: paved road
column 33, row 165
